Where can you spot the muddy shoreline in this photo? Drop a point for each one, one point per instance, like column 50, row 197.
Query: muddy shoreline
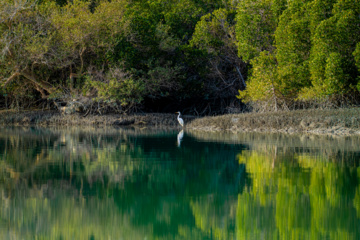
column 54, row 118
column 344, row 121
column 315, row 121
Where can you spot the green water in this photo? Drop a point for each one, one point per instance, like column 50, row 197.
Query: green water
column 147, row 184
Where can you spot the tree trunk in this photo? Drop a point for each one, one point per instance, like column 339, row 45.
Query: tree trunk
column 241, row 76
column 39, row 83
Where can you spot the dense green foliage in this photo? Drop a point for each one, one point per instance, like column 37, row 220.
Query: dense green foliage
column 313, row 57
column 125, row 53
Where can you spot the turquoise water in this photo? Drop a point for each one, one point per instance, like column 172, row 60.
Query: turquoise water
column 89, row 183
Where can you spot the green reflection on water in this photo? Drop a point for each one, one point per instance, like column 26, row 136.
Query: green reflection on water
column 142, row 184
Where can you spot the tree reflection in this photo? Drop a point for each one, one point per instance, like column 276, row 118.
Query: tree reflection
column 119, row 184
column 304, row 196
column 134, row 184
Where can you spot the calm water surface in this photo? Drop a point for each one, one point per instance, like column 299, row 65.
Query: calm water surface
column 163, row 184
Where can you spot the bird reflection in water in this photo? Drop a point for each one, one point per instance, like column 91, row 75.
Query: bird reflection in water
column 180, row 137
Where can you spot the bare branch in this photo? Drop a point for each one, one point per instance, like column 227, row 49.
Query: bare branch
column 11, row 78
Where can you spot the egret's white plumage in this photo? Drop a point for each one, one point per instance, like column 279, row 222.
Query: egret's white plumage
column 180, row 120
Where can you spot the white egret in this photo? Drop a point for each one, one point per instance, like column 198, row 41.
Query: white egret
column 180, row 120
